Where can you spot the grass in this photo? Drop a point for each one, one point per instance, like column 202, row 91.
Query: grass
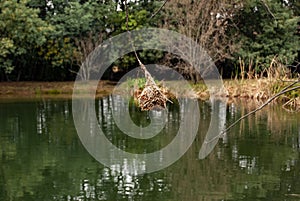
column 256, row 89
column 49, row 89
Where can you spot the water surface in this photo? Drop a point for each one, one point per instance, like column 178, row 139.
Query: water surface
column 42, row 158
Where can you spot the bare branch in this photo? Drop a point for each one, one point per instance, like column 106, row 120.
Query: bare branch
column 159, row 9
column 126, row 11
column 152, row 96
column 268, row 9
column 283, row 91
column 207, row 23
column 84, row 53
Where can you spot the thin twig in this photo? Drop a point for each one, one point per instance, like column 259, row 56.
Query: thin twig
column 159, row 9
column 261, row 107
column 127, row 29
column 286, row 80
column 130, row 39
column 151, row 96
column 126, row 12
column 268, row 9
column 292, row 84
column 283, row 91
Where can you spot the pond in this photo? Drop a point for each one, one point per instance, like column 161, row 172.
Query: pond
column 43, row 158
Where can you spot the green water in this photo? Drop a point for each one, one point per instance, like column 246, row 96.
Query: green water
column 42, row 158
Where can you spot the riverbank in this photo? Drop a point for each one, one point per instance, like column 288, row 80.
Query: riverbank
column 48, row 89
column 259, row 91
column 251, row 89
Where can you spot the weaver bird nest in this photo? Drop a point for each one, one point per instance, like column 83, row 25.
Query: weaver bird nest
column 152, row 97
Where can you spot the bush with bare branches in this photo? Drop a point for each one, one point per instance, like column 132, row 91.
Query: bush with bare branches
column 206, row 22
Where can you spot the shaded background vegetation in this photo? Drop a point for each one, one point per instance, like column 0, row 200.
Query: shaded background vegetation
column 49, row 40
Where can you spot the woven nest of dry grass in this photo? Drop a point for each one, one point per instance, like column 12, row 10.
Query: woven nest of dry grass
column 152, row 97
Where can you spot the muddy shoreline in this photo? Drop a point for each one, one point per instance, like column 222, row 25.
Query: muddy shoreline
column 257, row 89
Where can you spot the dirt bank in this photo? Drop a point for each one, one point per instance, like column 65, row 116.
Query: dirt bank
column 258, row 89
column 47, row 89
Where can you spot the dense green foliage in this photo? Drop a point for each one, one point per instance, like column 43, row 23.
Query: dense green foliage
column 21, row 32
column 40, row 40
column 268, row 30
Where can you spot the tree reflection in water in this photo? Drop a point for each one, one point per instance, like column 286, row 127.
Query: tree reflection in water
column 43, row 159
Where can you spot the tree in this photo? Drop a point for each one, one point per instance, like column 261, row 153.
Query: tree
column 39, row 38
column 267, row 29
column 73, row 21
column 206, row 22
column 86, row 53
column 123, row 18
column 21, row 32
